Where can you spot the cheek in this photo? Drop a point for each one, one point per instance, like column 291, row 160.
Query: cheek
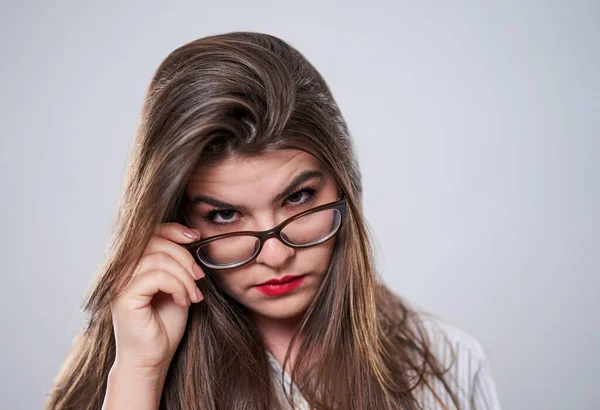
column 325, row 254
column 317, row 258
column 230, row 282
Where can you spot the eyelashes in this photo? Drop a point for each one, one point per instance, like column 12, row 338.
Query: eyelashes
column 309, row 190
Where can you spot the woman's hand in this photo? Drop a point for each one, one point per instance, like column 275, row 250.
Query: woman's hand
column 149, row 317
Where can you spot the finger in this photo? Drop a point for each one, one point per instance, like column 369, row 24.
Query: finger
column 145, row 286
column 164, row 261
column 158, row 244
column 177, row 233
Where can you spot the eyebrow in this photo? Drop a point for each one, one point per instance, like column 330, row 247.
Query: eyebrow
column 292, row 186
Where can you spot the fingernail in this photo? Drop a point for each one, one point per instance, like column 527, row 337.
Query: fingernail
column 199, row 294
column 191, row 235
column 198, row 273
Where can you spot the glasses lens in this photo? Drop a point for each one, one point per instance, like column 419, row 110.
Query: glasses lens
column 228, row 251
column 312, row 228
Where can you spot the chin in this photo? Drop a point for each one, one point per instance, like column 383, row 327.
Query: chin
column 283, row 308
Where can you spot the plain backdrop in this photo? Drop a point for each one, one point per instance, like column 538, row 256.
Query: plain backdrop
column 476, row 126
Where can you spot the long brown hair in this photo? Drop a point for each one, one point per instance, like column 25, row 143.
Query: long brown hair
column 246, row 93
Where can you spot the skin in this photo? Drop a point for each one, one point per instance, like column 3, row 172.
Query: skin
column 149, row 316
column 254, row 182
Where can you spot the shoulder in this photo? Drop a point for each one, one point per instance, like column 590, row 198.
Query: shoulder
column 464, row 359
column 447, row 339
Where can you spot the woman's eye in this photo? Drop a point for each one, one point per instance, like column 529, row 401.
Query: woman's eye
column 221, row 217
column 301, row 197
column 228, row 216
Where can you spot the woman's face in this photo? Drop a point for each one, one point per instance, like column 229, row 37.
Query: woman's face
column 256, row 194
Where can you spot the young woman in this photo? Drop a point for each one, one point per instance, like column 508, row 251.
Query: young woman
column 240, row 274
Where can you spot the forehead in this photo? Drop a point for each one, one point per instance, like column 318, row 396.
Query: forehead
column 258, row 173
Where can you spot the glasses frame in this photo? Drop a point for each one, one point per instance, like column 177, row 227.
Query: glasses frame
column 262, row 236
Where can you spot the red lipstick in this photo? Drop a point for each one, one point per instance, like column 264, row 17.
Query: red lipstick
column 276, row 287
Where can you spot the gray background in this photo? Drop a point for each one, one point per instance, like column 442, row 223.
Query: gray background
column 477, row 131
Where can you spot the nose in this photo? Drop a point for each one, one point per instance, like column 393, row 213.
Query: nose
column 274, row 253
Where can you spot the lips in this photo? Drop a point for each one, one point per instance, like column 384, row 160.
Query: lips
column 281, row 281
column 278, row 287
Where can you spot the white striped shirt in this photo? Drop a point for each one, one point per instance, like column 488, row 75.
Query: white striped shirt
column 469, row 376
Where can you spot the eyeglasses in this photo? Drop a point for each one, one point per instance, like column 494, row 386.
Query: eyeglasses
column 308, row 228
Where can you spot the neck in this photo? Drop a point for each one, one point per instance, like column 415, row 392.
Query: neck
column 277, row 335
